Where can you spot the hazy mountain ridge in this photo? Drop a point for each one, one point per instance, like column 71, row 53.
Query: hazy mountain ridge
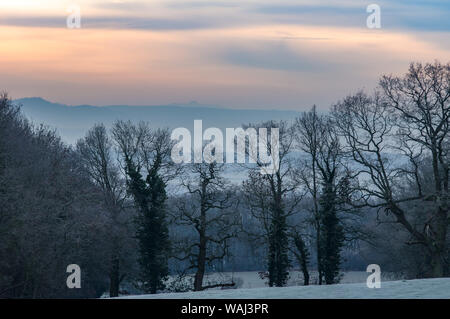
column 72, row 122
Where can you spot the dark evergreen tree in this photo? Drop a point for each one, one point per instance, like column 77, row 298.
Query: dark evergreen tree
column 332, row 237
column 152, row 231
column 302, row 255
column 278, row 259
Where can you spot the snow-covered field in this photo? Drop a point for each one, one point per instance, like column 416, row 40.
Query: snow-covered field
column 420, row 288
column 251, row 279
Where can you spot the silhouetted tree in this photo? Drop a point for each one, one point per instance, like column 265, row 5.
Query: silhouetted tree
column 143, row 150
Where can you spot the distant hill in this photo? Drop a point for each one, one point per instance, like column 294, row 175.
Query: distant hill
column 72, row 122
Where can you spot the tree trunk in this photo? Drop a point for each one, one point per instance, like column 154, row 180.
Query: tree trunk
column 319, row 250
column 302, row 257
column 198, row 281
column 114, row 277
column 437, row 265
column 439, row 243
column 317, row 219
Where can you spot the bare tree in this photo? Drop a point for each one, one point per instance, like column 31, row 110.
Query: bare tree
column 210, row 209
column 97, row 157
column 387, row 136
column 323, row 173
column 420, row 102
column 272, row 199
column 309, row 132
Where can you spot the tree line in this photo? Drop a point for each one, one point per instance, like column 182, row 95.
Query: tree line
column 370, row 176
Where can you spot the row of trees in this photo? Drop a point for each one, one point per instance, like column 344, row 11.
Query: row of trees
column 388, row 151
column 118, row 205
column 52, row 214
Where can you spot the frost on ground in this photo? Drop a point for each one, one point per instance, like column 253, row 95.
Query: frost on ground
column 419, row 288
column 251, row 279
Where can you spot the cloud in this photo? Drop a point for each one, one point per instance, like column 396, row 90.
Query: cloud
column 404, row 15
column 123, row 5
column 206, row 4
column 305, row 9
column 147, row 23
column 414, row 14
column 113, row 22
column 33, row 21
column 273, row 56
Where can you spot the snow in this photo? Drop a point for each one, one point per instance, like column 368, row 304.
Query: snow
column 251, row 279
column 438, row 288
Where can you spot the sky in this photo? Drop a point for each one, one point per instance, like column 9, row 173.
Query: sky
column 257, row 54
